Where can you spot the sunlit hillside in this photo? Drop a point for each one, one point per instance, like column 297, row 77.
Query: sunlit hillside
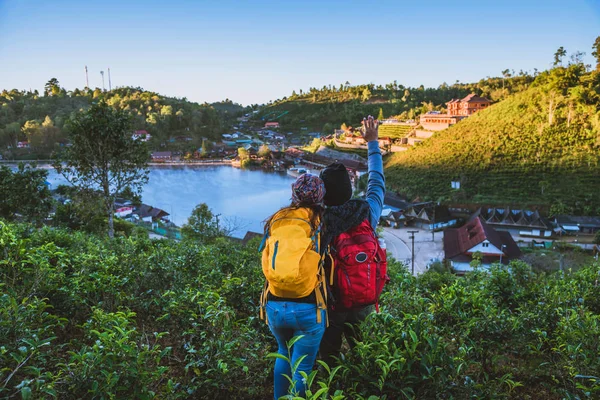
column 541, row 146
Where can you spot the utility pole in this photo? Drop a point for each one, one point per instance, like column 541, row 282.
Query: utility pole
column 502, row 252
column 109, row 84
column 433, row 227
column 87, row 82
column 412, row 237
column 102, row 73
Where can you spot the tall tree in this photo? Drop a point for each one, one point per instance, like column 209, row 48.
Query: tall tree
column 202, row 225
column 52, row 87
column 103, row 155
column 380, row 116
column 596, row 52
column 204, row 149
column 558, row 56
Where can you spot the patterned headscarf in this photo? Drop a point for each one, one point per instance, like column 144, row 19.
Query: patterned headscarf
column 308, row 189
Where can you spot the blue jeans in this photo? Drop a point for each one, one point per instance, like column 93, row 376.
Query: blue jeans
column 286, row 320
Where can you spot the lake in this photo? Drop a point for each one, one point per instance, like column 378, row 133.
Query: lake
column 244, row 198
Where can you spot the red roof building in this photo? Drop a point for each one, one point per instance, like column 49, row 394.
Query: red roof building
column 457, row 110
column 477, row 236
column 272, row 125
column 468, row 105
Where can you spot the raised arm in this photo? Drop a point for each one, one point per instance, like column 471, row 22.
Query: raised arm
column 376, row 181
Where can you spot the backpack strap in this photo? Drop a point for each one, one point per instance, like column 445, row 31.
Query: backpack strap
column 321, row 294
column 263, row 303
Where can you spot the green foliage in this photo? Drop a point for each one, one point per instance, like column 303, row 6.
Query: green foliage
column 538, row 147
column 394, row 131
column 202, row 225
column 349, row 104
column 243, row 154
column 24, row 193
column 86, row 317
column 163, row 117
column 104, row 156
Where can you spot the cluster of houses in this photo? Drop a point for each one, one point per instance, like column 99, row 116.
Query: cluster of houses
column 126, row 210
column 489, row 231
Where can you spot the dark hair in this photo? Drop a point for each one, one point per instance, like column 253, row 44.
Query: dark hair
column 315, row 217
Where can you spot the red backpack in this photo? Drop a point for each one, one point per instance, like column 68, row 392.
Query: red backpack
column 359, row 269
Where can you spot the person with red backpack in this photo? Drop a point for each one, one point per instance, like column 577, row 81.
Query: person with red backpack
column 355, row 264
column 294, row 300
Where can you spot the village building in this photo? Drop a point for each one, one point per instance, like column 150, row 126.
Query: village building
column 273, row 125
column 458, row 109
column 141, row 135
column 577, row 224
column 161, row 156
column 515, row 220
column 393, row 210
column 148, row 213
column 23, row 145
column 430, row 216
column 467, row 106
column 476, row 236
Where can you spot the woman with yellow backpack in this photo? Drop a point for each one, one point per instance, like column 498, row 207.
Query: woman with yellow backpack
column 293, row 302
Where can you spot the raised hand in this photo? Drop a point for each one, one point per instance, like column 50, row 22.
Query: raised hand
column 370, row 131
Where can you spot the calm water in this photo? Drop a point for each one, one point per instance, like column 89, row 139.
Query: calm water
column 242, row 197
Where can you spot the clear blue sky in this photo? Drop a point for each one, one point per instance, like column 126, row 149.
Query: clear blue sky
column 256, row 51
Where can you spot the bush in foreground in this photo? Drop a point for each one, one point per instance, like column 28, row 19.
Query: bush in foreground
column 87, row 317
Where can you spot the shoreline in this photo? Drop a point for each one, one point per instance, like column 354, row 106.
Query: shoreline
column 151, row 164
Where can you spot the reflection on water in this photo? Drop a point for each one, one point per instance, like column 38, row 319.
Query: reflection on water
column 243, row 197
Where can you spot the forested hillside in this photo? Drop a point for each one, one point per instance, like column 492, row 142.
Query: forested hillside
column 327, row 108
column 538, row 147
column 129, row 318
column 39, row 118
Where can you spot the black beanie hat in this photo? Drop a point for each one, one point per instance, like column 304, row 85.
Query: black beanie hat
column 338, row 188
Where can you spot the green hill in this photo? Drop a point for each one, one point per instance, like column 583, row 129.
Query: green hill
column 327, row 108
column 39, row 118
column 541, row 146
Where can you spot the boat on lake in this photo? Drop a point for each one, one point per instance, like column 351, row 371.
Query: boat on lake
column 296, row 172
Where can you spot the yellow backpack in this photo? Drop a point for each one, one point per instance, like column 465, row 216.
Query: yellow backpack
column 291, row 262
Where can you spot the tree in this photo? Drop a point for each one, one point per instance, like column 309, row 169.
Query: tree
column 202, row 225
column 243, row 154
column 25, row 194
column 264, row 151
column 596, row 52
column 380, row 116
column 204, row 149
column 32, row 130
column 558, row 56
column 52, row 87
column 103, row 155
column 505, row 74
column 366, row 94
column 597, row 238
column 12, row 132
